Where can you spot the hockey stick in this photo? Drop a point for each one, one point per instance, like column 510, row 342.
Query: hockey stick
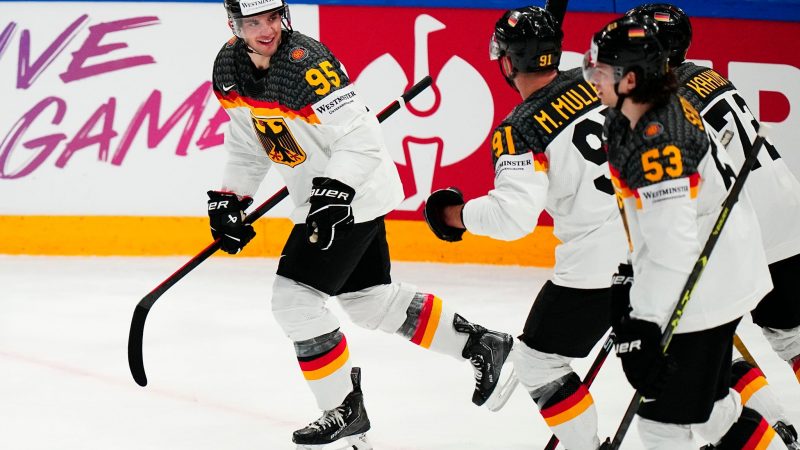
column 590, row 376
column 737, row 342
column 135, row 361
column 694, row 276
column 558, row 8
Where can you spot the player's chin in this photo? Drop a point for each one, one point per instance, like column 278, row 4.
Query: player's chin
column 605, row 99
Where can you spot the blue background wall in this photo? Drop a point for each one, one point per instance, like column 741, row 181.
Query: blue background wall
column 784, row 10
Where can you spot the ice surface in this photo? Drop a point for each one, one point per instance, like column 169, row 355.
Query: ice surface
column 222, row 375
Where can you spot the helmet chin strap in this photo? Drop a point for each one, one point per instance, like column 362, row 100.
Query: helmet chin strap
column 620, row 97
column 509, row 77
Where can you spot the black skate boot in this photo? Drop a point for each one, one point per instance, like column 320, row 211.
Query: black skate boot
column 347, row 422
column 487, row 351
column 788, row 435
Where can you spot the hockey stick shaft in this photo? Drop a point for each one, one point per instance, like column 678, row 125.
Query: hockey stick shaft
column 558, row 8
column 737, row 342
column 694, row 276
column 590, row 376
column 136, row 336
column 412, row 92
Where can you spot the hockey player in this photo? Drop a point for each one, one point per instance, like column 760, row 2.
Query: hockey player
column 775, row 193
column 292, row 106
column 666, row 169
column 547, row 156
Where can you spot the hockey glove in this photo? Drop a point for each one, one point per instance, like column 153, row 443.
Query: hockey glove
column 621, row 284
column 434, row 213
column 330, row 216
column 647, row 369
column 226, row 215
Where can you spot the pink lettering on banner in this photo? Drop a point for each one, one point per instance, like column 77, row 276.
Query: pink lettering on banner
column 5, row 37
column 91, row 48
column 46, row 143
column 28, row 73
column 103, row 118
column 20, row 156
column 211, row 136
column 193, row 106
column 82, row 139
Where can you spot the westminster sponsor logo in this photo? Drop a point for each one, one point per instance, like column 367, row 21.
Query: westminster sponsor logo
column 514, row 164
column 334, row 102
column 254, row 6
column 511, row 164
column 333, row 105
column 666, row 191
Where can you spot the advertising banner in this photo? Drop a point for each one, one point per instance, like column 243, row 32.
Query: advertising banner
column 108, row 111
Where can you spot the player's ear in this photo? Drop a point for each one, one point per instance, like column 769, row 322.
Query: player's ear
column 628, row 82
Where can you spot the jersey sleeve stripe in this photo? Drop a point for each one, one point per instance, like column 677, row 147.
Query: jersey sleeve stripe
column 262, row 108
column 540, row 162
column 619, row 183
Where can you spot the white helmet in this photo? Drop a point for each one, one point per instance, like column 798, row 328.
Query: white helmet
column 240, row 9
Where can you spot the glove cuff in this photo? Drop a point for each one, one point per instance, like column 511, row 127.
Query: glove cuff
column 433, row 212
column 226, row 201
column 329, row 190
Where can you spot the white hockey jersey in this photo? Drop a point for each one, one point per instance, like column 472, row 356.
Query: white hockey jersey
column 547, row 155
column 303, row 116
column 673, row 179
column 773, row 189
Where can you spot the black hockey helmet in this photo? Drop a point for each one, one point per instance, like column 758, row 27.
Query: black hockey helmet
column 627, row 44
column 674, row 28
column 240, row 9
column 526, row 39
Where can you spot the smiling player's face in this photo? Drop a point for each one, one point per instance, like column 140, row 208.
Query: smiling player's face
column 262, row 33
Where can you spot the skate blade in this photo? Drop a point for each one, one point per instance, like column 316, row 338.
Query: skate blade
column 359, row 442
column 354, row 442
column 502, row 392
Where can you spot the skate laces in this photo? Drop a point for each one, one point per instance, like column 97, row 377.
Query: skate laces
column 477, row 366
column 329, row 417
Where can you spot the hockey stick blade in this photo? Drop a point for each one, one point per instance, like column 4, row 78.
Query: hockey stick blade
column 135, row 359
column 135, row 345
column 136, row 335
column 694, row 275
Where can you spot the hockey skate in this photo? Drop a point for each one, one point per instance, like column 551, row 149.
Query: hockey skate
column 787, row 434
column 487, row 351
column 346, row 424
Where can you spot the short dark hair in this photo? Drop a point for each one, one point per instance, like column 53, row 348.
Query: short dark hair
column 653, row 90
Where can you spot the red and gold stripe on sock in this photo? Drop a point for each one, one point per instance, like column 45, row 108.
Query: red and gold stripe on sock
column 796, row 368
column 428, row 321
column 750, row 383
column 569, row 408
column 322, row 365
column 761, row 437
